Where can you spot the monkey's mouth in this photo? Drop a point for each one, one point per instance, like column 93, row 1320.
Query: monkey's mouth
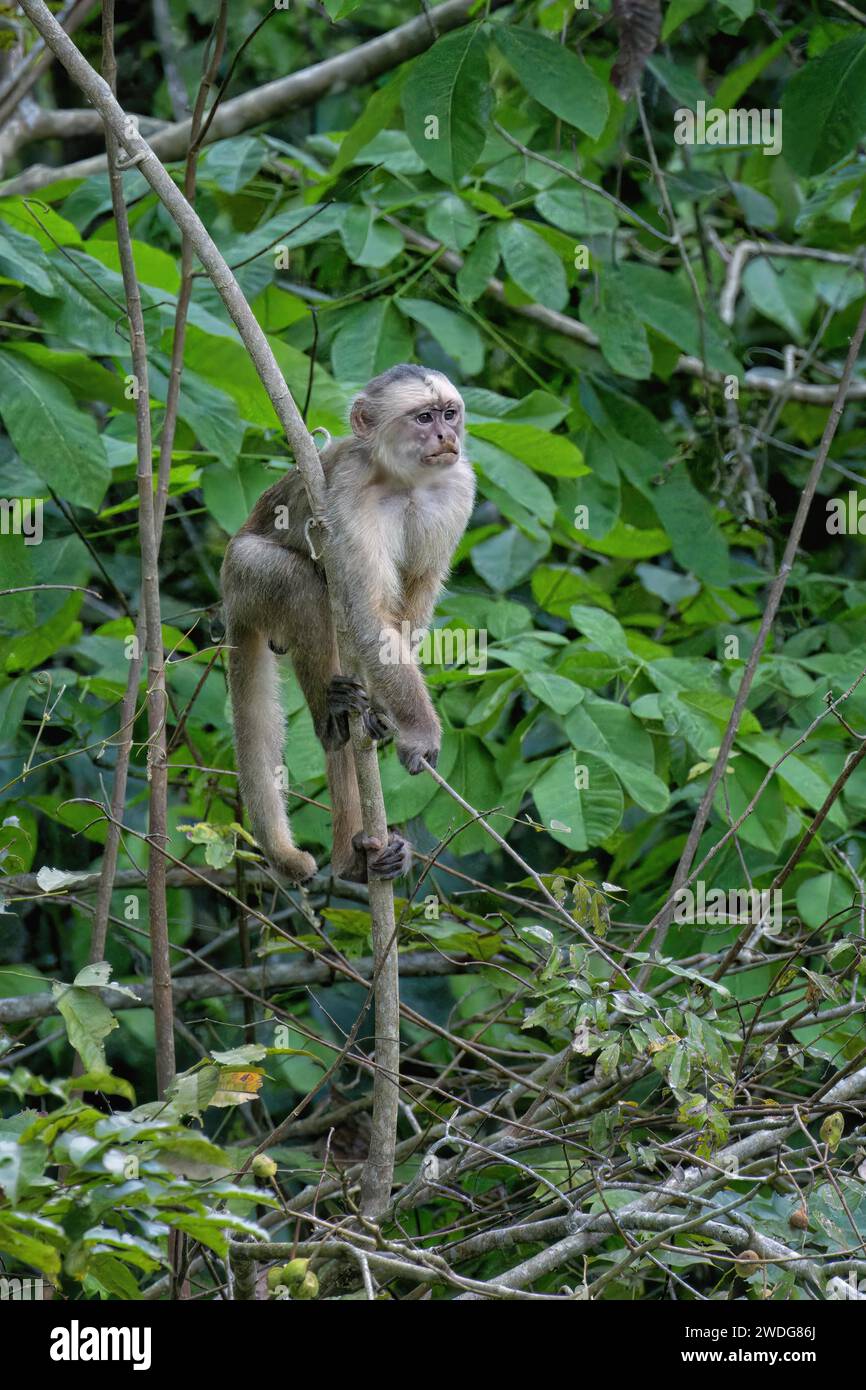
column 448, row 455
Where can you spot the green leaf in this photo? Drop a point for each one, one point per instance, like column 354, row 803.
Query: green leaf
column 666, row 303
column 533, row 265
column 558, row 692
column 85, row 378
column 20, row 1165
column 88, row 1022
column 740, row 78
column 341, row 9
column 605, row 632
column 514, row 479
column 230, row 164
column 619, row 330
column 114, row 1277
column 457, row 335
column 783, row 291
column 543, row 452
column 579, row 800
column 766, row 827
column 23, row 260
column 453, row 222
column 556, row 587
column 59, row 442
column 612, row 733
column 479, row 266
column 446, row 101
column 678, row 12
column 371, row 338
column 504, row 560
column 368, row 240
column 473, row 774
column 555, row 77
column 210, row 413
column 821, row 898
column 231, row 494
column 824, row 107
column 376, row 114
column 26, row 1248
column 577, row 210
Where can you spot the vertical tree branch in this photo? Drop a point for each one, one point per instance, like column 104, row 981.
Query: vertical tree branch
column 380, row 1162
column 156, row 697
column 99, row 926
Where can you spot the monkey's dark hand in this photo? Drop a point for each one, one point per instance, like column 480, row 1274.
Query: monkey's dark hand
column 346, row 695
column 394, row 861
column 415, row 744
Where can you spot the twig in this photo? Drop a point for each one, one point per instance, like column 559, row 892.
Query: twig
column 156, row 697
column 36, row 588
column 622, row 208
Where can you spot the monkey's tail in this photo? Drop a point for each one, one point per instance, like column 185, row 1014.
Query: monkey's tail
column 259, row 725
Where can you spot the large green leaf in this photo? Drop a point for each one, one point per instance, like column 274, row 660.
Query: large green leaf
column 452, row 221
column 456, row 334
column 376, row 114
column 479, row 266
column 539, row 450
column 514, row 478
column 667, row 304
column 23, row 260
column 577, row 210
column 824, row 107
column 612, row 732
column 555, row 77
column 579, row 799
column 533, row 265
column 784, row 291
column 446, row 101
column 368, row 240
column 231, row 494
column 504, row 560
column 371, row 338
column 620, row 332
column 60, row 442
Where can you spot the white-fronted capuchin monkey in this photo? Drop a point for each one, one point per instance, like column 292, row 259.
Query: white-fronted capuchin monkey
column 398, row 492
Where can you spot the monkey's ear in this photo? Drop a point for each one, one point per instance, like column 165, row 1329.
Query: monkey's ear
column 361, row 418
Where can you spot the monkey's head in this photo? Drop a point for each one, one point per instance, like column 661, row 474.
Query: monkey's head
column 412, row 420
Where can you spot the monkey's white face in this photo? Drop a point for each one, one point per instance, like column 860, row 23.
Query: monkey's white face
column 423, row 431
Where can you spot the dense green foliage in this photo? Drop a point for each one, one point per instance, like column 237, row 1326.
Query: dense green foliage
column 641, row 445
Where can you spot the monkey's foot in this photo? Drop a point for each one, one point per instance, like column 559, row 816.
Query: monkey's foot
column 413, row 753
column 394, row 861
column 345, row 696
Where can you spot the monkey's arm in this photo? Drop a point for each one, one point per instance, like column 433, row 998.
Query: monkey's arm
column 382, row 639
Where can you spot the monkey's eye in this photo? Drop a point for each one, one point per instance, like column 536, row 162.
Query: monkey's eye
column 449, row 415
column 424, row 418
